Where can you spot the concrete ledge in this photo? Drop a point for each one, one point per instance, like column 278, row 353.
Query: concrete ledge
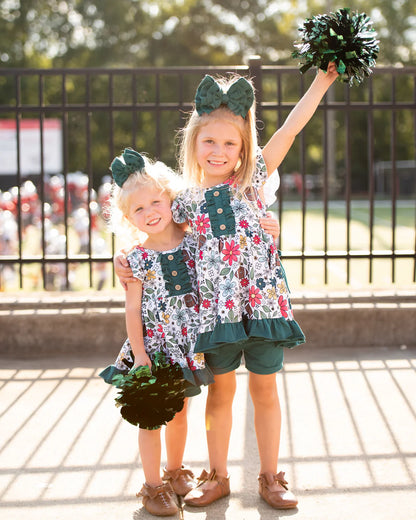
column 350, row 325
column 66, row 323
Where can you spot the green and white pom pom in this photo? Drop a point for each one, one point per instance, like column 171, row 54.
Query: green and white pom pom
column 345, row 38
column 151, row 398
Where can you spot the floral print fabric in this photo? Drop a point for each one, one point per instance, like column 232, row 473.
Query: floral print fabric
column 169, row 310
column 241, row 279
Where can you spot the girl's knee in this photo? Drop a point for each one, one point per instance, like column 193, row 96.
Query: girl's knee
column 217, row 399
column 263, row 389
column 224, row 387
column 265, row 399
column 181, row 418
column 223, row 382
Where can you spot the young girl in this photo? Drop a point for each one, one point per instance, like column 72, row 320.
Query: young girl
column 161, row 313
column 244, row 299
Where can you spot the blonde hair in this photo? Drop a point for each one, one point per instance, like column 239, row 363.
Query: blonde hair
column 155, row 174
column 191, row 170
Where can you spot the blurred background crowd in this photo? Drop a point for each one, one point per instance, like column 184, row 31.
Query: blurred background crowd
column 58, row 227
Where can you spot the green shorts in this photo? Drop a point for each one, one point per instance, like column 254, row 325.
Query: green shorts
column 192, row 391
column 260, row 357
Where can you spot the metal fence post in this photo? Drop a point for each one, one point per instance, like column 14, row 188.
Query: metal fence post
column 152, row 92
column 255, row 73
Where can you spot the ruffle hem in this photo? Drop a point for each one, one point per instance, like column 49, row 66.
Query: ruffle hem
column 194, row 378
column 279, row 331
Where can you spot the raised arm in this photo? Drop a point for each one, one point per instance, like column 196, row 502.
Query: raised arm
column 134, row 323
column 279, row 144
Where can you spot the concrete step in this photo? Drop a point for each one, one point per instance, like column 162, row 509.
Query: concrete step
column 54, row 323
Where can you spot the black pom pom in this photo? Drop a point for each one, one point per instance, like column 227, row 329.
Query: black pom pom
column 149, row 399
column 345, row 38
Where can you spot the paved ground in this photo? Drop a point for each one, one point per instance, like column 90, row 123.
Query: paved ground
column 348, row 444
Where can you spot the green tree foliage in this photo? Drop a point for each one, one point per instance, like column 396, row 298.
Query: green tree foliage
column 138, row 33
column 84, row 33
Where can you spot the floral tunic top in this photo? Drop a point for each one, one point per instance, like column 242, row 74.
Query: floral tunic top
column 242, row 285
column 170, row 310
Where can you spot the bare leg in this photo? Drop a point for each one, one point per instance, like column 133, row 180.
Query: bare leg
column 267, row 419
column 218, row 420
column 150, row 454
column 175, row 438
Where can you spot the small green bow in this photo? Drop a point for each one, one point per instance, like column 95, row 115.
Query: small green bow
column 121, row 169
column 238, row 98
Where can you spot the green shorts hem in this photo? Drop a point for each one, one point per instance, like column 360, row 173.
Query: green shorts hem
column 260, row 357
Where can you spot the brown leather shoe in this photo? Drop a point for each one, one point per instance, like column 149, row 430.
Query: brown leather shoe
column 159, row 500
column 202, row 495
column 182, row 480
column 279, row 499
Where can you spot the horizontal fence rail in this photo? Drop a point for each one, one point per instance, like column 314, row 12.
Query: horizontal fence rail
column 347, row 188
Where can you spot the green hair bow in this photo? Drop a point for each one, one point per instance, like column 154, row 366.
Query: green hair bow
column 121, row 169
column 238, row 98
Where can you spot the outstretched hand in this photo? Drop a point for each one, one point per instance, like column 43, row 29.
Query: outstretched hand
column 331, row 72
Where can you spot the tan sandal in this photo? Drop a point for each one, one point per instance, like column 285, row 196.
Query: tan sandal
column 203, row 496
column 279, row 499
column 159, row 500
column 182, row 480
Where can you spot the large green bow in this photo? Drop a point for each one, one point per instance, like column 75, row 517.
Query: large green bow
column 238, row 98
column 121, row 169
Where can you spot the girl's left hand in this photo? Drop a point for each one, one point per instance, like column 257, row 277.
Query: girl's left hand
column 330, row 74
column 270, row 225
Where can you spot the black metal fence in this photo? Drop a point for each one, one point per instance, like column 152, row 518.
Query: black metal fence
column 60, row 129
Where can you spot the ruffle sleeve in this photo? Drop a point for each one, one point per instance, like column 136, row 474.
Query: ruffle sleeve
column 270, row 188
column 190, row 245
column 179, row 214
column 137, row 263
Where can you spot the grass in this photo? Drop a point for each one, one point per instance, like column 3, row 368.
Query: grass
column 352, row 236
